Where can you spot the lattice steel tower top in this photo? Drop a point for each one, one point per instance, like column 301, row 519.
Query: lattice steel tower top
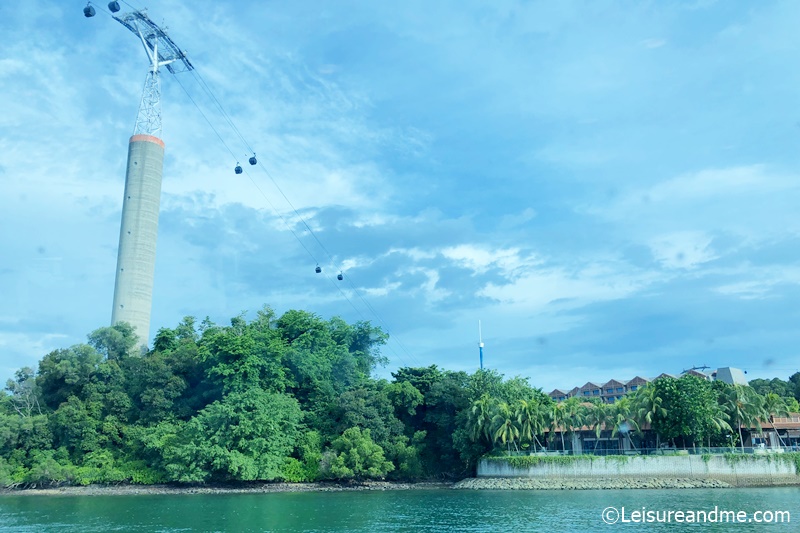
column 162, row 52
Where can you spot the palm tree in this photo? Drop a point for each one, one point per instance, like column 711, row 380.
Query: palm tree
column 648, row 406
column 744, row 406
column 480, row 418
column 775, row 405
column 565, row 417
column 531, row 420
column 557, row 417
column 507, row 431
column 596, row 418
column 621, row 415
column 574, row 415
column 719, row 423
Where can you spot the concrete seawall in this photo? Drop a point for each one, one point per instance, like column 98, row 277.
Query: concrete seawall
column 740, row 471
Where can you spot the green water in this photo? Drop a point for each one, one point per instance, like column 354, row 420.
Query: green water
column 421, row 510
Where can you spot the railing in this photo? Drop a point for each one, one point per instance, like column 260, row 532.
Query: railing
column 699, row 450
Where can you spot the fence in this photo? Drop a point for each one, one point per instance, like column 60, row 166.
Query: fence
column 699, row 450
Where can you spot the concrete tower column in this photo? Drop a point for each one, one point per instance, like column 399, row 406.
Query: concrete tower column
column 136, row 259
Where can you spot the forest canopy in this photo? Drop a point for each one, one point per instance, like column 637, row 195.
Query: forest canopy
column 295, row 398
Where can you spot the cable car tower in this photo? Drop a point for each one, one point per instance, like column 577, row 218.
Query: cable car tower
column 480, row 343
column 136, row 259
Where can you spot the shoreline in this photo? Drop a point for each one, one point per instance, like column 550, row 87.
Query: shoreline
column 616, row 483
column 482, row 483
column 253, row 488
column 621, row 483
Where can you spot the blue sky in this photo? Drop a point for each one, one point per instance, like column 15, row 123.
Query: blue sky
column 612, row 188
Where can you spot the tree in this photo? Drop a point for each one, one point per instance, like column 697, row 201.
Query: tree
column 442, row 415
column 115, row 342
column 323, row 359
column 574, row 416
column 237, row 359
column 777, row 386
column 795, row 379
column 530, row 415
column 446, row 399
column 421, row 378
column 623, row 418
column 481, row 414
column 775, row 405
column 246, row 436
column 648, row 406
column 24, row 392
column 168, row 447
column 155, row 389
column 65, row 373
column 597, row 417
column 76, row 428
column 366, row 407
column 511, row 390
column 792, row 405
column 565, row 417
column 686, row 408
column 506, row 428
column 745, row 407
column 355, row 456
column 363, row 342
column 404, row 454
column 405, row 397
column 167, row 340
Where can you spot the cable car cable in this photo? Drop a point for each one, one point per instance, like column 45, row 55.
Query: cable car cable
column 236, row 130
column 202, row 82
column 338, row 287
column 330, row 257
column 206, row 118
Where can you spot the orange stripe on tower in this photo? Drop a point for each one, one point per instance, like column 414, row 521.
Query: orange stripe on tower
column 147, row 138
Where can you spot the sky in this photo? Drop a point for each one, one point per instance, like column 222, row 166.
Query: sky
column 611, row 188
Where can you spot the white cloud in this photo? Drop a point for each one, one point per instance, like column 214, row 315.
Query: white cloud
column 678, row 218
column 381, row 291
column 653, row 43
column 480, row 258
column 21, row 349
column 686, row 249
column 721, row 183
column 757, row 283
column 569, row 288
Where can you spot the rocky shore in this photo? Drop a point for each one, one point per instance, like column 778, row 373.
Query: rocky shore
column 482, row 483
column 254, row 488
column 496, row 483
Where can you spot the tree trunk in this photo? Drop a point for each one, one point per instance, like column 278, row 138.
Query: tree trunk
column 741, row 438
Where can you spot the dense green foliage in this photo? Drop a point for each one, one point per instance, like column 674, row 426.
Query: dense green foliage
column 293, row 398
column 275, row 398
column 682, row 412
column 788, row 390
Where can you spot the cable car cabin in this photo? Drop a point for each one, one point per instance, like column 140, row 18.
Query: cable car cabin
column 89, row 11
column 340, row 277
column 253, row 160
column 318, row 269
column 238, row 169
column 113, row 7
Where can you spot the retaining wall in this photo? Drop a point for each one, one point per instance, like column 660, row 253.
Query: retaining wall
column 749, row 470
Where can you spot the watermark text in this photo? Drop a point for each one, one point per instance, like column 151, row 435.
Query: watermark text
column 644, row 515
